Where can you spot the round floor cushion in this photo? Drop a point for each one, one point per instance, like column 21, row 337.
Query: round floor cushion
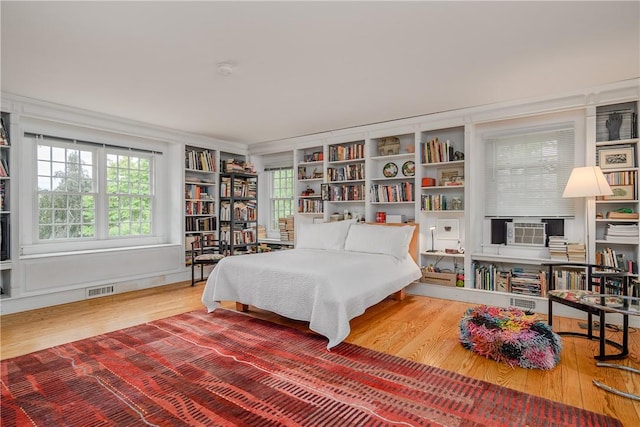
column 511, row 336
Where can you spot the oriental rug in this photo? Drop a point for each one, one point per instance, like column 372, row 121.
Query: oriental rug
column 226, row 368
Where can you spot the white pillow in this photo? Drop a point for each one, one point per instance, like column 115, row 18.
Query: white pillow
column 326, row 235
column 380, row 239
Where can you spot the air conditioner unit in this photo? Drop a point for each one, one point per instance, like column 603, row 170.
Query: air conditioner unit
column 526, row 233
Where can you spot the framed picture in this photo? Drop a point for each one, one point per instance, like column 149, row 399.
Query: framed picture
column 616, row 158
column 448, row 229
column 621, row 192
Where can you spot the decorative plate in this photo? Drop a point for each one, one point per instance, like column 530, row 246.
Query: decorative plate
column 409, row 168
column 390, row 170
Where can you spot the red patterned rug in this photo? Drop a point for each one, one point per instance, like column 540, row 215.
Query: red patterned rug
column 227, row 368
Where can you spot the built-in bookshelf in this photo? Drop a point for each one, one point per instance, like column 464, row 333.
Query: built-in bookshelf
column 5, row 205
column 392, row 174
column 344, row 190
column 616, row 218
column 442, row 194
column 239, row 212
column 309, row 179
column 199, row 196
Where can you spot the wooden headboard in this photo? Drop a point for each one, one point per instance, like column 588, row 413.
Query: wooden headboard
column 413, row 245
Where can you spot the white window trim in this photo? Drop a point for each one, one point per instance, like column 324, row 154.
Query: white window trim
column 28, row 194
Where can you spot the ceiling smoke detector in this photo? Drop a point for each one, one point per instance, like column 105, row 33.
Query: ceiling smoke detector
column 225, row 68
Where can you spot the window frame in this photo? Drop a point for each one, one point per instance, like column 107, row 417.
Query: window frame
column 273, row 219
column 31, row 245
column 518, row 209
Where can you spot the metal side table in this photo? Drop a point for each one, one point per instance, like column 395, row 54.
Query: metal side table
column 621, row 304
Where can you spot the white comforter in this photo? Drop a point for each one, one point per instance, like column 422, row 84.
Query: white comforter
column 326, row 288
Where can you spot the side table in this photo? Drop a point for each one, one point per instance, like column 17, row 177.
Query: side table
column 621, row 304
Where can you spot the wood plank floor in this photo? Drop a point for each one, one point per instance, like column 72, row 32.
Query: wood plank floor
column 419, row 328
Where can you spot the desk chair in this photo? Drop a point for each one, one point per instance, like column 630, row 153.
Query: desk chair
column 593, row 280
column 205, row 252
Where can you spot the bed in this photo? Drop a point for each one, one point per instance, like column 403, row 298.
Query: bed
column 336, row 272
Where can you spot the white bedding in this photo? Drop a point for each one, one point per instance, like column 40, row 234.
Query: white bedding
column 327, row 288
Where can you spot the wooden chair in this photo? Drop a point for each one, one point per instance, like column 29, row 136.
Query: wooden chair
column 205, row 252
column 592, row 280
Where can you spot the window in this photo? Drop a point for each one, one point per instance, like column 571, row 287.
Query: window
column 66, row 192
column 526, row 172
column 129, row 194
column 93, row 195
column 280, row 195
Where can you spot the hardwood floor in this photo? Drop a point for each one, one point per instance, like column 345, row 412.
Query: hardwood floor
column 419, row 328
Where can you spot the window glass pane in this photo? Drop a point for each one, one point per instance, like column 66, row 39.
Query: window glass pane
column 281, row 195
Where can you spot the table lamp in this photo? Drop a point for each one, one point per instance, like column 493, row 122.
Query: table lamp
column 432, row 228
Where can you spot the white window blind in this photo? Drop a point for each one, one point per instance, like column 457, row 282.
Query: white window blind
column 526, row 172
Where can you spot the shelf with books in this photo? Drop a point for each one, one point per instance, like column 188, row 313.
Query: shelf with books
column 525, row 280
column 199, row 195
column 309, row 179
column 238, row 213
column 617, row 235
column 6, row 205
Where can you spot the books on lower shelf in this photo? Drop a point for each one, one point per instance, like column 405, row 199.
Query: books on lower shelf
column 516, row 281
column 611, row 258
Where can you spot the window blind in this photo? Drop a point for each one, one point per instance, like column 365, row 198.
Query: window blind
column 526, row 172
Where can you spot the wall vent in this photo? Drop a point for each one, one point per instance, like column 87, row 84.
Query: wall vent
column 523, row 303
column 100, row 291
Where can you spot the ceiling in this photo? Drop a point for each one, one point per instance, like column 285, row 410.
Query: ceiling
column 308, row 67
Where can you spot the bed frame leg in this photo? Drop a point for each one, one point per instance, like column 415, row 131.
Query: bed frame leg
column 242, row 307
column 399, row 296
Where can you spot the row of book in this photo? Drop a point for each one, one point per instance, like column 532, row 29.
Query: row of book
column 4, row 168
column 286, row 226
column 196, row 224
column 238, row 165
column 238, row 237
column 346, row 152
column 400, row 192
column 621, row 178
column 316, row 156
column 242, row 211
column 200, row 160
column 346, row 173
column 245, row 188
column 610, row 258
column 4, row 133
column 436, row 151
column 560, row 249
column 196, row 239
column 199, row 207
column 197, row 192
column 440, row 202
column 346, row 192
column 492, row 278
column 3, row 195
column 310, row 206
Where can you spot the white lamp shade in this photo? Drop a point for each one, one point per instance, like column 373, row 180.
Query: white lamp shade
column 587, row 181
